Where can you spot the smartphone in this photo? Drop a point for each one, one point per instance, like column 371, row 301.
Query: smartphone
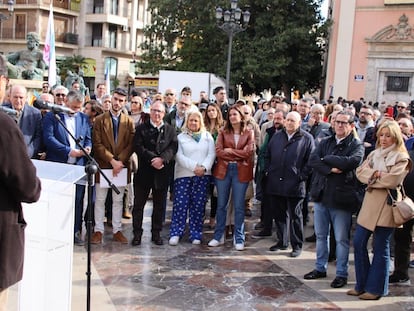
column 390, row 112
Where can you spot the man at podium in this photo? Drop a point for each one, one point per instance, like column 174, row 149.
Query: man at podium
column 18, row 183
column 61, row 147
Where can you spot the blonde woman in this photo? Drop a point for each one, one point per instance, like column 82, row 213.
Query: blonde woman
column 193, row 162
column 384, row 169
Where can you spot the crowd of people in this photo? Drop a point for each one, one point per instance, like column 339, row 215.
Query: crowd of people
column 342, row 156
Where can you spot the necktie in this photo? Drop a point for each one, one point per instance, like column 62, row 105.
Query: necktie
column 115, row 124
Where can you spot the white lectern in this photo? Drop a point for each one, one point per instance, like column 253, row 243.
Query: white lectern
column 47, row 276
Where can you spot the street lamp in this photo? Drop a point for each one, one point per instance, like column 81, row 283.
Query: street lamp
column 231, row 22
column 10, row 8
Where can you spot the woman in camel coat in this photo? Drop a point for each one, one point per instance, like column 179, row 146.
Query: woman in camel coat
column 384, row 168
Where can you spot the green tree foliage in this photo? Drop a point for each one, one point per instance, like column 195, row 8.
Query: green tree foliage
column 279, row 50
column 73, row 63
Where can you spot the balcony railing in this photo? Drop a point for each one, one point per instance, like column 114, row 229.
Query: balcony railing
column 71, row 38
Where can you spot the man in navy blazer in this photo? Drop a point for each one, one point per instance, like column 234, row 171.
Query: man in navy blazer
column 60, row 147
column 29, row 120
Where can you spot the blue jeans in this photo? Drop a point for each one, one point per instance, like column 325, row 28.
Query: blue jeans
column 341, row 221
column 230, row 181
column 372, row 277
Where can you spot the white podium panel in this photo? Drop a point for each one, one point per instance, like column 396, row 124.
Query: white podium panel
column 47, row 275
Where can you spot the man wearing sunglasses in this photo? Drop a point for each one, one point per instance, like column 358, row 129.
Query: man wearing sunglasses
column 169, row 99
column 60, row 93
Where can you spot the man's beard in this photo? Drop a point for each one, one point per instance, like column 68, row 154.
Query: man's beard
column 278, row 126
column 363, row 121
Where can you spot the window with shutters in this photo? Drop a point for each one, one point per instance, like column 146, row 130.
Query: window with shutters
column 20, row 29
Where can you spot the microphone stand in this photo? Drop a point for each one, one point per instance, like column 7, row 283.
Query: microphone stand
column 90, row 168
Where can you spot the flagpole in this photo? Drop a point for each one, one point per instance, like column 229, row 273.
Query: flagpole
column 107, row 79
column 49, row 53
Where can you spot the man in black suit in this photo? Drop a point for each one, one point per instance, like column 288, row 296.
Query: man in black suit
column 155, row 144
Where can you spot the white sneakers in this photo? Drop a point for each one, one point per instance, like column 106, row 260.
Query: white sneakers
column 214, row 242
column 239, row 246
column 174, row 240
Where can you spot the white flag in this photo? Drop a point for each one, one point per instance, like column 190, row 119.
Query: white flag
column 107, row 79
column 49, row 55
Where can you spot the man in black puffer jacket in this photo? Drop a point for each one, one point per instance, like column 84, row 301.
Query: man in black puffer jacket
column 334, row 191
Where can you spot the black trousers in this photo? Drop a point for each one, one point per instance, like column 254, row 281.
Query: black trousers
column 267, row 213
column 402, row 249
column 289, row 221
column 158, row 199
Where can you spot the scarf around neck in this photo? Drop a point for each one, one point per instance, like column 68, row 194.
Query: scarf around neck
column 384, row 157
column 195, row 135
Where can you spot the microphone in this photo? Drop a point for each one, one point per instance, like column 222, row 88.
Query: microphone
column 9, row 111
column 40, row 104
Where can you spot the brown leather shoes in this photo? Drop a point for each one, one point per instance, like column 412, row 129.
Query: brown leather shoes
column 354, row 292
column 96, row 238
column 369, row 296
column 119, row 237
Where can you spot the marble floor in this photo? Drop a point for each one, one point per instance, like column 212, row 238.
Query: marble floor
column 196, row 277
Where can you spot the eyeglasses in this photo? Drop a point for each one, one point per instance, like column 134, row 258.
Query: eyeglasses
column 401, row 107
column 60, row 95
column 156, row 111
column 341, row 123
column 169, row 94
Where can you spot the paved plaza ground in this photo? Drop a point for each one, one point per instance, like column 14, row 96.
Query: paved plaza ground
column 196, row 277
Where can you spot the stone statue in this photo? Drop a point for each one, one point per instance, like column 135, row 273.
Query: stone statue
column 72, row 77
column 27, row 64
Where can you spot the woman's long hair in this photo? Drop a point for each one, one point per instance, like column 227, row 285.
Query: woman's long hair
column 228, row 127
column 219, row 120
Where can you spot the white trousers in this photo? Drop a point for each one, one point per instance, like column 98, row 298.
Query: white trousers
column 116, row 208
column 4, row 293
